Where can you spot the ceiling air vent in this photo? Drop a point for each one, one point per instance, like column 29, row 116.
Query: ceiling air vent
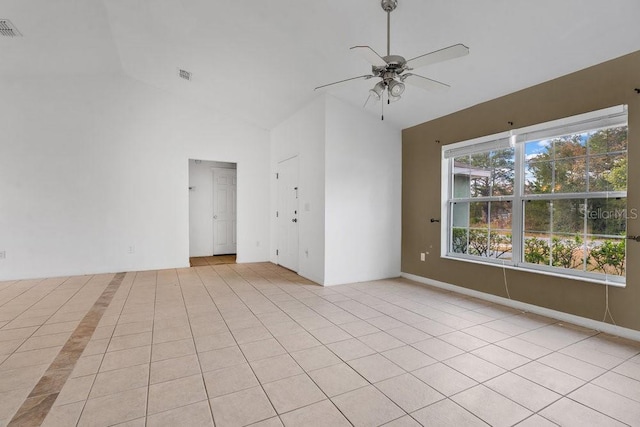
column 184, row 74
column 7, row 29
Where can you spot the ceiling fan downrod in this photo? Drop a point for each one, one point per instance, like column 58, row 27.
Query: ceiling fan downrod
column 389, row 6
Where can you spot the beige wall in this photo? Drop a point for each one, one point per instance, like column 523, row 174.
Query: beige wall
column 605, row 85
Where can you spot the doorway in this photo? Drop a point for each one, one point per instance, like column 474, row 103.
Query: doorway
column 212, row 209
column 287, row 215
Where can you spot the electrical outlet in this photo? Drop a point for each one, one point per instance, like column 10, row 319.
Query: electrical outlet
column 3, row 254
column 423, row 256
column 258, row 243
column 131, row 250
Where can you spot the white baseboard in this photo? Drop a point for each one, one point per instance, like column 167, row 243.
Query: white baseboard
column 523, row 306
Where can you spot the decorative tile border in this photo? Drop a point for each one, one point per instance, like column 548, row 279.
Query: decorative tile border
column 39, row 402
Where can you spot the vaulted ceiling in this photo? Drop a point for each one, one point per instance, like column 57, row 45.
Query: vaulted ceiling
column 260, row 60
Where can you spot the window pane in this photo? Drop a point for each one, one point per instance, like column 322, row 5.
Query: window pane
column 568, row 216
column 607, row 255
column 608, row 172
column 461, row 177
column 570, row 146
column 460, row 214
column 606, row 217
column 537, row 232
column 538, row 177
column 502, row 172
column 570, row 175
column 480, row 175
column 607, row 140
column 500, row 225
column 459, row 240
column 537, row 215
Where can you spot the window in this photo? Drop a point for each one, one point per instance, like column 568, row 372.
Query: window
column 550, row 198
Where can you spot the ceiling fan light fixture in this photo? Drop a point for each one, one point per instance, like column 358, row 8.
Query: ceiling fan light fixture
column 396, row 88
column 393, row 98
column 377, row 90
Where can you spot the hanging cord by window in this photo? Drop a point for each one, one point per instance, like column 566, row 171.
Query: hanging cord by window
column 504, row 274
column 606, row 309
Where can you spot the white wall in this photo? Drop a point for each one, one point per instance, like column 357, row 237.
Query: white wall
column 303, row 134
column 362, row 196
column 201, row 205
column 92, row 166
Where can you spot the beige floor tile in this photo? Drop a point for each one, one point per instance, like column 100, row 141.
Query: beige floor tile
column 30, row 358
column 222, row 358
column 14, row 334
column 241, row 408
column 433, row 328
column 620, row 384
column 367, row 406
column 64, row 415
column 501, row 357
column 486, row 334
column 21, row 378
column 75, row 390
column 275, row 368
column 315, row 358
column 292, row 393
column 298, row 341
column 330, row 334
column 408, row 358
column 319, row 414
column 133, row 328
column 548, row 377
column 169, row 350
column 491, row 407
column 197, row 414
column 522, row 391
column 437, row 349
column 125, row 342
column 96, row 347
column 444, row 379
column 45, row 341
column 408, row 392
column 524, row 348
column 447, row 413
column 474, row 367
column 337, row 379
column 609, row 403
column 171, row 334
column 9, row 346
column 114, row 408
column 282, row 329
column 463, row 341
column 262, row 349
column 176, row 393
column 408, row 334
column 555, row 337
column 376, row 368
column 10, row 402
column 125, row 358
column 568, row 413
column 56, row 328
column 630, row 369
column 214, row 342
column 572, row 366
column 119, row 380
column 589, row 352
column 359, row 328
column 351, row 349
column 536, row 420
column 381, row 341
column 171, row 369
column 247, row 335
column 384, row 322
column 405, row 421
column 229, row 380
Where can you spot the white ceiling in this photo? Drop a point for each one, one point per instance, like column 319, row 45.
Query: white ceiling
column 260, row 60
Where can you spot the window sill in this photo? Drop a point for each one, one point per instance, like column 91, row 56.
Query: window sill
column 537, row 271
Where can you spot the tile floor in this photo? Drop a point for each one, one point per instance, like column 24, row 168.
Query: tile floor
column 254, row 344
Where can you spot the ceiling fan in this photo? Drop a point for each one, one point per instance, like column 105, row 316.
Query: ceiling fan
column 392, row 70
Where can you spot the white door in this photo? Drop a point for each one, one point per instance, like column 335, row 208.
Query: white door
column 224, row 211
column 287, row 214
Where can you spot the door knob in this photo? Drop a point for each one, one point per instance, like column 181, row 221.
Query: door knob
column 294, row 220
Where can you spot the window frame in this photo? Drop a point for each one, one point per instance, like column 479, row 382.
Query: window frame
column 517, row 138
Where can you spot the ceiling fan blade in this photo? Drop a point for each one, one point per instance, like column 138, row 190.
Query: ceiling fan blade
column 367, row 76
column 370, row 55
column 451, row 52
column 424, row 83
